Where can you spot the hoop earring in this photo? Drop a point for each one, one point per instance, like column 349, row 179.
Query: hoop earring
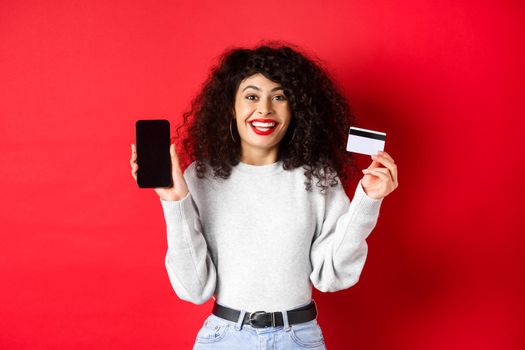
column 293, row 135
column 231, row 133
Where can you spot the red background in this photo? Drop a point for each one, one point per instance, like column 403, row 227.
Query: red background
column 82, row 253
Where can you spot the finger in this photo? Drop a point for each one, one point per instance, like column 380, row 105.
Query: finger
column 374, row 164
column 173, row 152
column 133, row 159
column 389, row 164
column 378, row 173
column 133, row 152
column 174, row 158
column 393, row 170
column 384, row 154
column 383, row 160
column 384, row 171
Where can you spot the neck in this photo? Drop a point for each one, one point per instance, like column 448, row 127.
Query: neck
column 259, row 156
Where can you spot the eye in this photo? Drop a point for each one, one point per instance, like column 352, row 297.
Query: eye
column 282, row 98
column 248, row 97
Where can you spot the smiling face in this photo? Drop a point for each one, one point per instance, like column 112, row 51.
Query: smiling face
column 263, row 115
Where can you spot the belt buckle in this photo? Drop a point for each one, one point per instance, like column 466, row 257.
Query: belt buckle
column 251, row 319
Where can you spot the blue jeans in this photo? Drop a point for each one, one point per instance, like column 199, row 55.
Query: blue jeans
column 219, row 333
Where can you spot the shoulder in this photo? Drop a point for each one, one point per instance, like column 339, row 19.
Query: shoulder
column 200, row 188
column 192, row 170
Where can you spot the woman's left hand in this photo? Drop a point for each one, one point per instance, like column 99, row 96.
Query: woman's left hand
column 379, row 182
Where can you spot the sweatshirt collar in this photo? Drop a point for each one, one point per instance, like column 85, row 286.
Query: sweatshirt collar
column 267, row 169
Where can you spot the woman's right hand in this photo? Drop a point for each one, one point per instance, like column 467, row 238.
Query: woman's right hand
column 179, row 190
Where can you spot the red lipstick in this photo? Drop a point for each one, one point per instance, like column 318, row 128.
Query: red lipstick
column 263, row 132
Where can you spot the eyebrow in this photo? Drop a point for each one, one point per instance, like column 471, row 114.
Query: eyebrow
column 256, row 88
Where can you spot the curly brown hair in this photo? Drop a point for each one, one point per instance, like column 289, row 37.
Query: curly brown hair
column 321, row 116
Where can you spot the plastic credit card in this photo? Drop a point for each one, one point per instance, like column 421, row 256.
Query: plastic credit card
column 365, row 141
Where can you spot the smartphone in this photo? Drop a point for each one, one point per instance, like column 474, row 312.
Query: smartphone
column 153, row 153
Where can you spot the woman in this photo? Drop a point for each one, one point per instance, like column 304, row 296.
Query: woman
column 244, row 223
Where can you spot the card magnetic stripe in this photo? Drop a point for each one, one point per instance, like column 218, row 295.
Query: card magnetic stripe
column 369, row 135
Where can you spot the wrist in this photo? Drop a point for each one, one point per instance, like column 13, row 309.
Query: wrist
column 174, row 197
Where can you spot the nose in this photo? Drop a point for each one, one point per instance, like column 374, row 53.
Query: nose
column 264, row 107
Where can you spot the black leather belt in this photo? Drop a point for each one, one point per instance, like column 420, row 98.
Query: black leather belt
column 261, row 319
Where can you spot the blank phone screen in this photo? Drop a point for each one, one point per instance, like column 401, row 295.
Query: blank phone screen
column 153, row 153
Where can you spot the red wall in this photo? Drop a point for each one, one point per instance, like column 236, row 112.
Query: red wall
column 82, row 253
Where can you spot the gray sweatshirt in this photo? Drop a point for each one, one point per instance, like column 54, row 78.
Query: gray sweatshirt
column 259, row 241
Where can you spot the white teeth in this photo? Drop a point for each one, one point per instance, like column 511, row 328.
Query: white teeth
column 264, row 125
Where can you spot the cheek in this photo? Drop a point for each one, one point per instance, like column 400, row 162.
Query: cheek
column 242, row 110
column 288, row 117
column 285, row 111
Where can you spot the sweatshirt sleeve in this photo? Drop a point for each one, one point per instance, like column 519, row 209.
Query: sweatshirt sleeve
column 190, row 267
column 339, row 250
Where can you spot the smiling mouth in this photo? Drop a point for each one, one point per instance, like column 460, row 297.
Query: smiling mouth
column 263, row 127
